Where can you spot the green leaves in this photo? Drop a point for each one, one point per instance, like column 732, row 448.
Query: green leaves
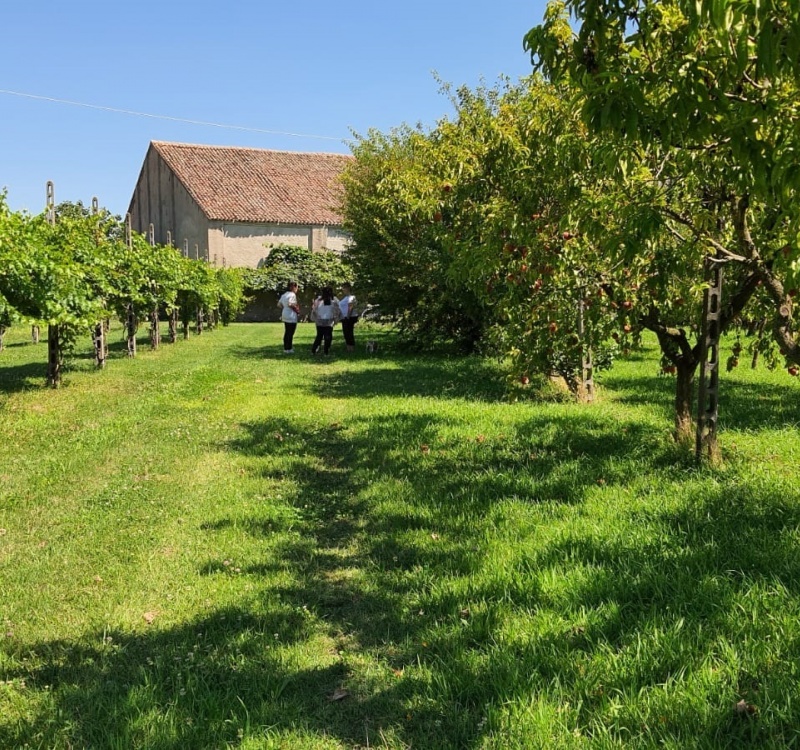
column 399, row 198
column 77, row 271
column 312, row 270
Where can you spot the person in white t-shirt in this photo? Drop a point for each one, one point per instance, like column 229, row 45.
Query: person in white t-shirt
column 290, row 309
column 325, row 313
column 347, row 309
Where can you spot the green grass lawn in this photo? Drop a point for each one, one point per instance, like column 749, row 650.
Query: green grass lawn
column 216, row 545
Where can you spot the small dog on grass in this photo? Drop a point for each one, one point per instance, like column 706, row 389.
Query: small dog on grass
column 372, row 347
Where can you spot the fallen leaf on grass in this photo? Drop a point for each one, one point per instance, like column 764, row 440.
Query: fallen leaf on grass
column 339, row 694
column 425, row 448
column 745, row 708
column 149, row 617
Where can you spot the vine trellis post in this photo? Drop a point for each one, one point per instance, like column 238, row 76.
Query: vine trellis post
column 185, row 314
column 54, row 360
column 155, row 333
column 50, row 215
column 587, row 366
column 99, row 331
column 130, row 321
column 199, row 328
column 173, row 316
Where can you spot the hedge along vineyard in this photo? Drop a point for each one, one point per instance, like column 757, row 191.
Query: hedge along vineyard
column 72, row 268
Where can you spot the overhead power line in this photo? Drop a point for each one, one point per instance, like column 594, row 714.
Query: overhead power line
column 167, row 117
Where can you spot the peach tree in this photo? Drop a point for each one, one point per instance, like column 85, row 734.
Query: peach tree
column 570, row 246
column 392, row 210
column 706, row 93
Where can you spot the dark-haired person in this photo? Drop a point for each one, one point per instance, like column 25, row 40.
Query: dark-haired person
column 290, row 309
column 325, row 312
column 347, row 311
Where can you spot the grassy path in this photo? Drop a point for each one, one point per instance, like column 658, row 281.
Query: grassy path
column 215, row 545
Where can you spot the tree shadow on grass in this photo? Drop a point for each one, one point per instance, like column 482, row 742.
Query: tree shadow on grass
column 23, row 377
column 467, row 378
column 411, row 619
column 33, row 375
column 753, row 406
column 379, row 503
column 389, row 372
column 695, row 576
column 303, row 338
column 742, row 405
column 191, row 686
column 386, row 552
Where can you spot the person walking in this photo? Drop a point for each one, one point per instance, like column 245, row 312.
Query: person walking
column 325, row 312
column 349, row 317
column 290, row 309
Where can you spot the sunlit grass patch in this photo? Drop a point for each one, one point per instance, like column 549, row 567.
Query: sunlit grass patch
column 215, row 545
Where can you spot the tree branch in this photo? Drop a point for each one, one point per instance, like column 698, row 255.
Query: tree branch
column 700, row 235
column 670, row 335
column 737, row 302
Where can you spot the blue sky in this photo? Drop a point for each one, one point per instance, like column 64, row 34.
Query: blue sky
column 308, row 67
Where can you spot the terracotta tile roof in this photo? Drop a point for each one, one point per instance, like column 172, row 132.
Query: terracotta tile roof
column 257, row 185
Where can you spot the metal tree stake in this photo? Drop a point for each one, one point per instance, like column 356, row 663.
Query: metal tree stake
column 707, row 401
column 587, row 367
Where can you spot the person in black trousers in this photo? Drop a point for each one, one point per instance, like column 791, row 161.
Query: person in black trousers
column 347, row 310
column 290, row 309
column 324, row 313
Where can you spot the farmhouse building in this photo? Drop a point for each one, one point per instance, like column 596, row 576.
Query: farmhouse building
column 228, row 205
